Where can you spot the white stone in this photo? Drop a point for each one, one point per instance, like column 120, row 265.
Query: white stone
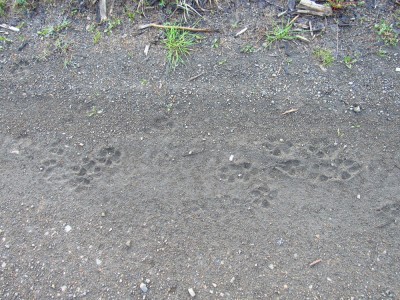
column 191, row 292
column 67, row 228
column 143, row 287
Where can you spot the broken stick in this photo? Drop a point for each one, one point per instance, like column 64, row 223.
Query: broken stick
column 310, row 7
column 315, row 262
column 310, row 12
column 12, row 28
column 177, row 27
column 103, row 10
column 196, row 76
column 241, row 32
column 290, row 111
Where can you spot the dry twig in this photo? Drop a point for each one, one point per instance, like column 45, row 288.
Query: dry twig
column 241, row 32
column 12, row 28
column 311, row 29
column 103, row 10
column 290, row 111
column 196, row 76
column 337, row 40
column 315, row 262
column 177, row 27
column 310, row 7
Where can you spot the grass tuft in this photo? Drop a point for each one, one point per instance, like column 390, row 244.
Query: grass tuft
column 178, row 43
column 248, row 49
column 187, row 9
column 386, row 33
column 3, row 7
column 97, row 37
column 53, row 30
column 325, row 56
column 280, row 33
column 111, row 25
column 349, row 61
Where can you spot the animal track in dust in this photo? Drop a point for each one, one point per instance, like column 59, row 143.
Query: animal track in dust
column 49, row 167
column 78, row 172
column 244, row 172
column 240, row 171
column 278, row 148
column 315, row 162
column 108, row 155
column 58, row 151
column 262, row 195
column 290, row 167
column 390, row 213
column 330, row 163
column 84, row 173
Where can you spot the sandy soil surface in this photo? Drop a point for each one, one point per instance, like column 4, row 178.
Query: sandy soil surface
column 124, row 179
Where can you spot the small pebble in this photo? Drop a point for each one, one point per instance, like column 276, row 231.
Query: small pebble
column 397, row 69
column 271, row 266
column 231, row 157
column 143, row 287
column 98, row 261
column 358, row 196
column 191, row 292
column 67, row 228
